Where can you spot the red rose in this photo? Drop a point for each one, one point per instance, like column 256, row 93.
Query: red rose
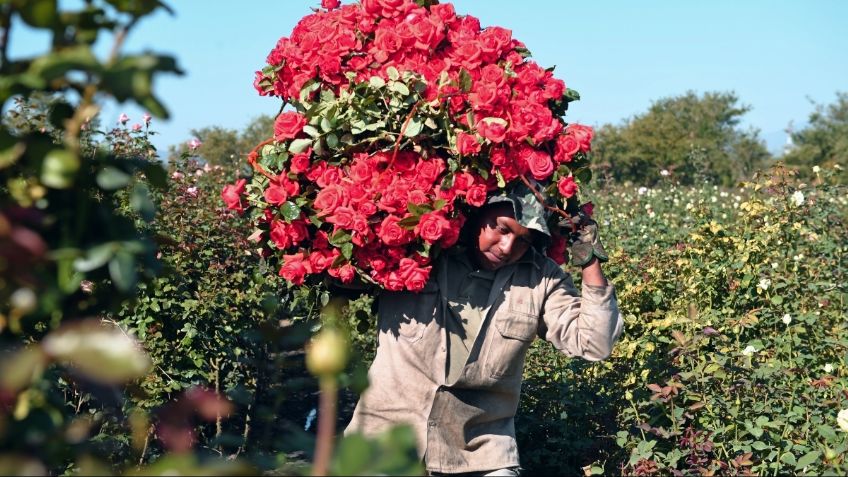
column 279, row 234
column 300, row 162
column 567, row 187
column 588, row 208
column 231, row 194
column 320, row 260
column 583, row 135
column 462, row 182
column 476, row 195
column 451, row 235
column 393, row 234
column 432, row 226
column 443, row 11
column 342, row 217
column 428, row 172
column 393, row 282
column 295, row 268
column 493, row 129
column 556, row 250
column 566, row 147
column 362, row 171
column 345, row 273
column 497, row 156
column 540, row 164
column 484, row 96
column 288, row 125
column 329, row 199
column 386, row 42
column 467, row 144
column 275, row 194
column 330, row 4
column 298, row 232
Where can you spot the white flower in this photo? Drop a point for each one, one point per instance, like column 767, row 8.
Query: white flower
column 828, row 368
column 664, row 172
column 123, row 118
column 194, row 144
column 798, row 198
column 146, row 117
column 642, row 190
column 816, row 169
column 191, row 191
column 764, row 283
column 842, row 419
column 786, row 319
column 749, row 350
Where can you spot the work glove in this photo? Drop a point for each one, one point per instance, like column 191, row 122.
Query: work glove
column 584, row 242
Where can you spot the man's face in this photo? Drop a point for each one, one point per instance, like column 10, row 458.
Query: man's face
column 501, row 240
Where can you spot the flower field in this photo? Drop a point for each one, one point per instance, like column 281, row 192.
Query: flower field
column 733, row 358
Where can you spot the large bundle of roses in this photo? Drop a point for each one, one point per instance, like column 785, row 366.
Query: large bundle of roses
column 400, row 118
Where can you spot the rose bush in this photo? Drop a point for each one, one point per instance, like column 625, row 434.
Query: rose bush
column 404, row 116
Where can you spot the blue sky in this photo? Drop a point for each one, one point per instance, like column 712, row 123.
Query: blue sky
column 777, row 55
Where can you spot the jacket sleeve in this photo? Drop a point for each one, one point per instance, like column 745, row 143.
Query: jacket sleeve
column 584, row 325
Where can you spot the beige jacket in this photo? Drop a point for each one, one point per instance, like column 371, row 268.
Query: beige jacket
column 469, row 426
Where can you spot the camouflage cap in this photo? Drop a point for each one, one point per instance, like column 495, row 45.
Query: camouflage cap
column 528, row 211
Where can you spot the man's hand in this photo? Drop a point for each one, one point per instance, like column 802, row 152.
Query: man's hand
column 584, row 242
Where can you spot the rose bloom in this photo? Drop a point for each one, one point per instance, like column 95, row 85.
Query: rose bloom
column 566, row 147
column 330, row 4
column 432, row 226
column 300, row 162
column 280, row 234
column 295, row 268
column 275, row 194
column 393, row 234
column 583, row 135
column 556, row 251
column 231, row 194
column 540, row 164
column 567, row 187
column 492, row 130
column 476, row 195
column 466, row 144
column 345, row 273
column 288, row 125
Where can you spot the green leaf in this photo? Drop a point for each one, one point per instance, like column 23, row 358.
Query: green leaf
column 332, row 141
column 141, row 202
column 38, row 13
column 122, row 270
column 788, row 458
column 311, row 130
column 776, row 300
column 340, row 237
column 290, row 211
column 409, row 223
column 584, row 175
column 95, row 257
column 299, row 145
column 807, row 459
column 465, row 80
column 392, row 73
column 376, row 82
column 399, row 88
column 59, row 169
column 413, row 128
column 760, row 445
column 111, row 178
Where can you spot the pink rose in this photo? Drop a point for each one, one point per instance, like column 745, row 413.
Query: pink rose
column 567, row 187
column 288, row 125
column 432, row 226
column 231, row 194
column 476, row 195
column 467, row 144
column 492, row 129
column 540, row 164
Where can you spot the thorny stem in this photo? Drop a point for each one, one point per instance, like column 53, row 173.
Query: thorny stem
column 326, row 424
column 541, row 200
column 253, row 155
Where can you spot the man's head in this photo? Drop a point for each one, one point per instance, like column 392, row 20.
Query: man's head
column 499, row 239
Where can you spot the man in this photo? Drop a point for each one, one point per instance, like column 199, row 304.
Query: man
column 449, row 360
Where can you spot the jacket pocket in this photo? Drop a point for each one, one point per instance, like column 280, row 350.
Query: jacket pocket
column 515, row 332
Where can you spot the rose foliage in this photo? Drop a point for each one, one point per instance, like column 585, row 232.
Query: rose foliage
column 399, row 119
